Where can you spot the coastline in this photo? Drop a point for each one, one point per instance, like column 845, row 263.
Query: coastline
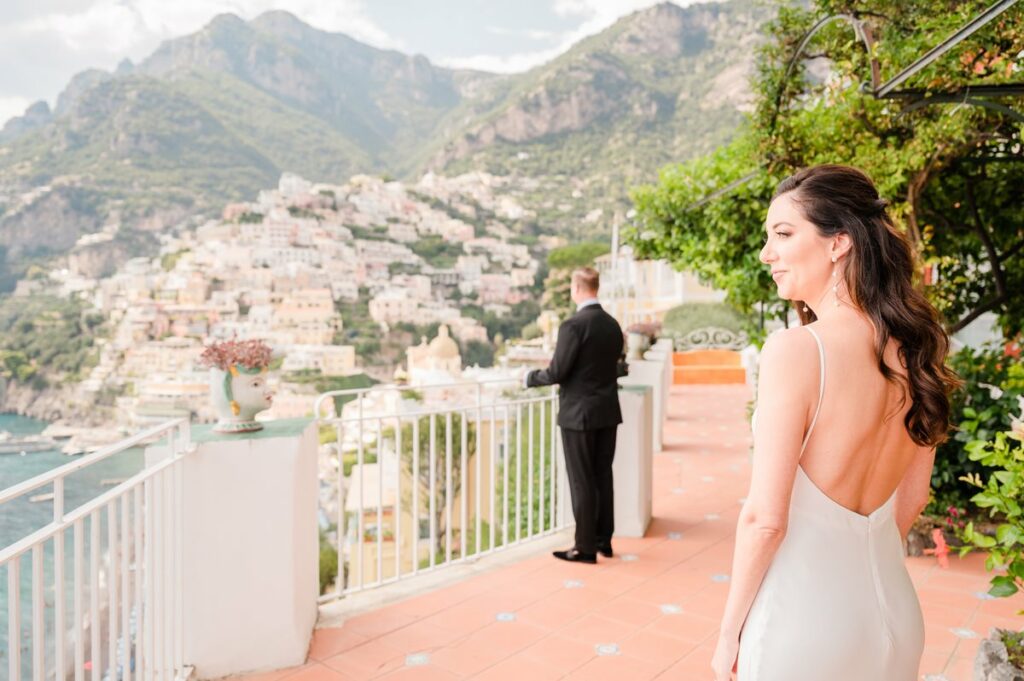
column 63, row 405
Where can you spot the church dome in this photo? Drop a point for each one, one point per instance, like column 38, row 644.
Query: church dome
column 443, row 347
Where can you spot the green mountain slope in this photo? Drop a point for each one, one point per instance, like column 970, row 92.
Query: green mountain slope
column 660, row 85
column 218, row 115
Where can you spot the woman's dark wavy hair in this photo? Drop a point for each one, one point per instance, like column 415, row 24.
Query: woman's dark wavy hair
column 879, row 276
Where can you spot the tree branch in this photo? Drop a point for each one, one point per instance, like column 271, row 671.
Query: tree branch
column 986, row 239
column 984, row 307
column 919, row 179
column 1011, row 251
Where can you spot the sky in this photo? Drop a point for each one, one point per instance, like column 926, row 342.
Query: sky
column 45, row 42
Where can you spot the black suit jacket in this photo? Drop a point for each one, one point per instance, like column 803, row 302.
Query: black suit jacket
column 584, row 365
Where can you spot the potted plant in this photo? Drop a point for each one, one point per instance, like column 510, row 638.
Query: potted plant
column 641, row 336
column 238, row 383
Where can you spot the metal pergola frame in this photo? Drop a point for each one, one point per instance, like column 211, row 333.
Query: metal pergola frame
column 915, row 98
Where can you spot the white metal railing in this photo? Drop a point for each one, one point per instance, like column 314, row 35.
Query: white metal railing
column 468, row 472
column 124, row 579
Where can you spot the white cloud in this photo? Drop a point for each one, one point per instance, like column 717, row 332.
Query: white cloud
column 565, row 8
column 60, row 38
column 345, row 16
column 108, row 25
column 502, row 63
column 598, row 15
column 135, row 27
column 11, row 107
column 531, row 33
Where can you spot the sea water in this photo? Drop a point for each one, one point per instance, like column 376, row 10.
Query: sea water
column 21, row 517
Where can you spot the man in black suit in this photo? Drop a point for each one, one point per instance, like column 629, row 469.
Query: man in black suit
column 584, row 365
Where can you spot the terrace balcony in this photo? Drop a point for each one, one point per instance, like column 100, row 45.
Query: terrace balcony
column 442, row 519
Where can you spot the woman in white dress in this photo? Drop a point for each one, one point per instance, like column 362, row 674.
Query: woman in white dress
column 850, row 407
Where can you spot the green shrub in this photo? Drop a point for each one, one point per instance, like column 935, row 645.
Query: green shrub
column 436, row 251
column 1000, row 495
column 475, row 353
column 44, row 336
column 328, row 563
column 689, row 317
column 576, row 255
column 250, row 217
column 979, row 409
column 1014, row 641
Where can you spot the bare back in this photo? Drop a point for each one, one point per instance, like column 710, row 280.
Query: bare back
column 859, row 451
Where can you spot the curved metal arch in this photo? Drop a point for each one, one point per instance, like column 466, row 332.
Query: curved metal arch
column 859, row 30
column 876, row 88
column 973, row 101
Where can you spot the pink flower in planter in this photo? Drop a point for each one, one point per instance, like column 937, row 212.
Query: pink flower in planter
column 251, row 354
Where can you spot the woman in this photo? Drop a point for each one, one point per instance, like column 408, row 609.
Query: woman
column 850, row 408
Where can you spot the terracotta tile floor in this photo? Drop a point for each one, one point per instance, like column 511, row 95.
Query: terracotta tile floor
column 650, row 613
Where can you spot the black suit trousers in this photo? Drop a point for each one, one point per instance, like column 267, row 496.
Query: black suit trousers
column 588, row 462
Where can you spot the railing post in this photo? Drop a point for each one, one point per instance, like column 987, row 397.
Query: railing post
column 58, row 576
column 360, row 527
column 341, row 533
column 14, row 617
column 380, row 501
column 448, row 487
column 479, row 455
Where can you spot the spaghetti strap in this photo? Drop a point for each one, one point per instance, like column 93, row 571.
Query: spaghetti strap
column 821, row 386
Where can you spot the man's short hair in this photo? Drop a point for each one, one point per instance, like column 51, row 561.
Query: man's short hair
column 587, row 278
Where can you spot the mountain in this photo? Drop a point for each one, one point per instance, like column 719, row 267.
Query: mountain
column 661, row 85
column 382, row 101
column 216, row 116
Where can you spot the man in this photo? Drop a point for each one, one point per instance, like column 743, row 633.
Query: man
column 584, row 365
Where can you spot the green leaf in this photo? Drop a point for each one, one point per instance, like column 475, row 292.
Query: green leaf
column 1005, row 477
column 1007, row 535
column 984, row 541
column 1002, row 587
column 985, row 500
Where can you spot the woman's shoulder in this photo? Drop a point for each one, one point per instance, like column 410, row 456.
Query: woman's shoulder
column 790, row 347
column 788, row 365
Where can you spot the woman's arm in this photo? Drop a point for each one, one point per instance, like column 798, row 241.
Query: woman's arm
column 787, row 394
column 914, row 490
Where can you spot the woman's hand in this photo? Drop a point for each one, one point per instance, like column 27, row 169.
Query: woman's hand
column 723, row 663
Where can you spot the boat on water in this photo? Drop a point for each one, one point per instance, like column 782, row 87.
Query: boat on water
column 89, row 440
column 12, row 444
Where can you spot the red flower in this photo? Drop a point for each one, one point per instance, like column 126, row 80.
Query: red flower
column 941, row 550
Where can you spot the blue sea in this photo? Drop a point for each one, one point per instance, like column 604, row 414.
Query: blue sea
column 21, row 517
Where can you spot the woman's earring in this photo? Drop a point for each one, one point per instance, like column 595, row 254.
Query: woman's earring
column 806, row 309
column 833, row 258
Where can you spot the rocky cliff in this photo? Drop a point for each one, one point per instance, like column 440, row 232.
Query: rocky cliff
column 52, row 404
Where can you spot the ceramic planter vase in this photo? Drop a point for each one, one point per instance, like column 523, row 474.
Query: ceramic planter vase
column 636, row 345
column 237, row 396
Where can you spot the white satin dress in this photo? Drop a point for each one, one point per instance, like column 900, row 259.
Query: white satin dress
column 837, row 603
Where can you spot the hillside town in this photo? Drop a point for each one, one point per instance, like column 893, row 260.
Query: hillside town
column 281, row 267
